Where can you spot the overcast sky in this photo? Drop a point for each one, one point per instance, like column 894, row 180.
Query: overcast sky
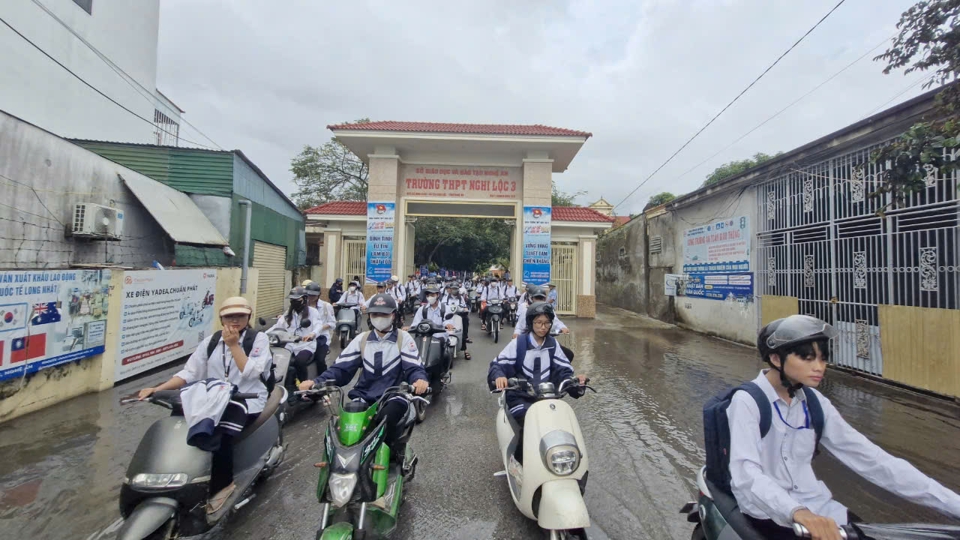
column 641, row 75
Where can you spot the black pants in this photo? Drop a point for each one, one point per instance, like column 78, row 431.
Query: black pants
column 770, row 530
column 221, row 473
column 465, row 317
column 393, row 411
column 567, row 352
column 297, row 370
column 320, row 357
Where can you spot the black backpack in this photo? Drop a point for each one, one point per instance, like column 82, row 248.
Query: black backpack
column 716, row 428
column 268, row 378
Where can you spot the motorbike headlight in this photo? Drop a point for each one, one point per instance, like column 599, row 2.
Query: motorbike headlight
column 159, row 481
column 341, row 488
column 563, row 460
column 274, row 340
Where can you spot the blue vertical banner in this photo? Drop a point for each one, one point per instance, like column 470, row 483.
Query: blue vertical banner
column 536, row 244
column 380, row 221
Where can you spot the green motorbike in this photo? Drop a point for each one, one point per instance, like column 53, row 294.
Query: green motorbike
column 359, row 488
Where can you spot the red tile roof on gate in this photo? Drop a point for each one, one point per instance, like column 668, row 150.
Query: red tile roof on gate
column 560, row 213
column 478, row 129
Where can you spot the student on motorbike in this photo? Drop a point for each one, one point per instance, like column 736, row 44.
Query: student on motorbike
column 772, row 478
column 397, row 291
column 510, row 290
column 434, row 310
column 354, row 297
column 227, row 362
column 336, row 291
column 543, row 362
column 490, row 292
column 387, row 356
column 536, row 294
column 413, row 286
column 453, row 297
column 302, row 353
column 327, row 322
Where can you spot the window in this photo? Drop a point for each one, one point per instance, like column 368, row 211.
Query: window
column 86, row 5
column 656, row 244
column 167, row 132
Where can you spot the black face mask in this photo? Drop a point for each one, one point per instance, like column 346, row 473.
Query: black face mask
column 296, row 305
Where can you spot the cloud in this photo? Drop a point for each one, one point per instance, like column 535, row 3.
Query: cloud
column 643, row 76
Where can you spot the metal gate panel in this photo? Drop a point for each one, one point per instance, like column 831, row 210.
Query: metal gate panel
column 354, row 260
column 563, row 274
column 271, row 261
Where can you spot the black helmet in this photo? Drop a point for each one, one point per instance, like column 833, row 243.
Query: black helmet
column 297, row 293
column 313, row 289
column 354, row 284
column 382, row 285
column 382, row 303
column 431, row 288
column 530, row 287
column 537, row 292
column 535, row 310
column 339, row 280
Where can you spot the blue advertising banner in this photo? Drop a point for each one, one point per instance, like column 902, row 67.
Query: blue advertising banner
column 50, row 317
column 718, row 286
column 380, row 218
column 721, row 247
column 536, row 244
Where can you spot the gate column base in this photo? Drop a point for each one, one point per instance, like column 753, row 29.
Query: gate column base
column 586, row 306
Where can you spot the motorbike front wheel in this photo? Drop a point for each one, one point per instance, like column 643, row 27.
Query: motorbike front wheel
column 576, row 534
column 421, row 409
column 343, row 339
column 698, row 533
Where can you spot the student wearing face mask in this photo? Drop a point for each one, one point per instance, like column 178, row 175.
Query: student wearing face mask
column 491, row 292
column 302, row 353
column 353, row 297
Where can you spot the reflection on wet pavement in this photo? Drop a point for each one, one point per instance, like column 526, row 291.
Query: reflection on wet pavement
column 61, row 467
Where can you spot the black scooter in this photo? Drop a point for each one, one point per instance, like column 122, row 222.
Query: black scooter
column 494, row 316
column 165, row 489
column 285, row 373
column 434, row 358
column 717, row 517
column 347, row 320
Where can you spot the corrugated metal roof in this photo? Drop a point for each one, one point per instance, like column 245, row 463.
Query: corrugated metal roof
column 176, row 213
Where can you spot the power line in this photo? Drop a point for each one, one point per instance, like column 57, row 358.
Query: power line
column 744, row 91
column 119, row 71
column 95, row 89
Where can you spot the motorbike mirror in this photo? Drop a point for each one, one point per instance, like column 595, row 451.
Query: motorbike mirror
column 261, row 321
column 305, row 323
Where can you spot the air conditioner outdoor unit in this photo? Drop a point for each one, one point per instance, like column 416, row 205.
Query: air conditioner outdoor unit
column 97, row 221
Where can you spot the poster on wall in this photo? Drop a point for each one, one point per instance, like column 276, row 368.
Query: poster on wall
column 721, row 247
column 671, row 282
column 164, row 315
column 380, row 219
column 536, row 244
column 50, row 317
column 730, row 287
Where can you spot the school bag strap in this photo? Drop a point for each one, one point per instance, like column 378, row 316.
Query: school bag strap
column 363, row 343
column 247, row 344
column 766, row 414
column 817, row 419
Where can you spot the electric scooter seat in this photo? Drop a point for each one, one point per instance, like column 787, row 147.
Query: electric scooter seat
column 269, row 409
column 355, row 407
column 730, row 510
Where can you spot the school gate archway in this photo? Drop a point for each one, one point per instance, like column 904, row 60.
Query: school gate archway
column 461, row 170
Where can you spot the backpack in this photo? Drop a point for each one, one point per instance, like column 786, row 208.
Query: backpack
column 269, row 379
column 716, row 428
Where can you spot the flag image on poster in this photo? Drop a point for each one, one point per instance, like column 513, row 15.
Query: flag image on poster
column 380, row 230
column 536, row 244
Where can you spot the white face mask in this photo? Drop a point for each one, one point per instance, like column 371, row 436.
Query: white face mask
column 432, row 299
column 352, row 288
column 381, row 323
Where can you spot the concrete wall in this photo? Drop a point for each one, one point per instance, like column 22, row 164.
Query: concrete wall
column 54, row 385
column 621, row 267
column 36, row 89
column 44, row 177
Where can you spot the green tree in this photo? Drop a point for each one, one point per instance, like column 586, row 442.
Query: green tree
column 734, row 168
column 561, row 198
column 461, row 243
column 658, row 199
column 929, row 40
column 328, row 173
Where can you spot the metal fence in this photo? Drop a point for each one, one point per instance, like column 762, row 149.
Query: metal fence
column 820, row 239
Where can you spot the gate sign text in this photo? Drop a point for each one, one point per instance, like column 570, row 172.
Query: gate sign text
column 536, row 244
column 380, row 219
column 721, row 247
column 451, row 182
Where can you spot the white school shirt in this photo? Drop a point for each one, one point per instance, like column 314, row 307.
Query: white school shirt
column 521, row 326
column 436, row 314
column 328, row 319
column 510, row 291
column 398, row 293
column 492, row 293
column 221, row 366
column 313, row 315
column 772, row 477
column 355, row 297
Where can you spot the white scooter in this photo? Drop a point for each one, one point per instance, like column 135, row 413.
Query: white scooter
column 549, row 485
column 455, row 336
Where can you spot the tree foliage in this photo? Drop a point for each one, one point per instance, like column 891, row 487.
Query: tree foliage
column 328, row 173
column 658, row 199
column 561, row 198
column 461, row 243
column 734, row 168
column 929, row 40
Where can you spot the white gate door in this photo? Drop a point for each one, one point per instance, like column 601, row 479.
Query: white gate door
column 563, row 274
column 271, row 260
column 354, row 260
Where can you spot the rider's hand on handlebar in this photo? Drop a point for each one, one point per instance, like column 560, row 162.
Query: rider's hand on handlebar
column 582, row 379
column 145, row 393
column 821, row 528
column 565, row 331
column 420, row 386
column 307, row 385
column 501, row 383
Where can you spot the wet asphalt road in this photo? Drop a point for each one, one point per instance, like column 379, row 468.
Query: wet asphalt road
column 61, row 468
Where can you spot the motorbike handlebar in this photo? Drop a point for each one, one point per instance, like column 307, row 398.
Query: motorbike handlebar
column 243, row 395
column 846, row 534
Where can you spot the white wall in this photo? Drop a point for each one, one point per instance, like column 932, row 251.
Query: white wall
column 730, row 320
column 39, row 91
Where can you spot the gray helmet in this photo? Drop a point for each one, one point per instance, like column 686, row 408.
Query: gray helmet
column 339, row 280
column 313, row 289
column 797, row 330
column 297, row 293
column 431, row 288
column 762, row 337
column 382, row 303
column 535, row 310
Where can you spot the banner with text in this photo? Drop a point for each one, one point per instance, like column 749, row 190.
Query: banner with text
column 164, row 315
column 450, row 182
column 380, row 219
column 50, row 317
column 536, row 244
column 718, row 286
column 722, row 247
